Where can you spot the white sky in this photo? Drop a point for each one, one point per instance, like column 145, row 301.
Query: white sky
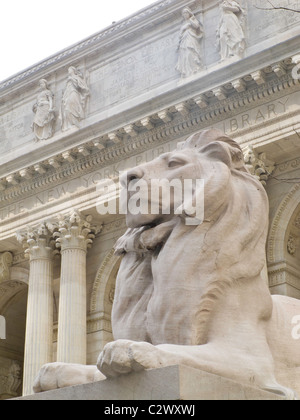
column 32, row 30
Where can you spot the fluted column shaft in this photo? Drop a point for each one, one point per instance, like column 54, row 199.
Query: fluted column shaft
column 39, row 320
column 74, row 236
column 71, row 345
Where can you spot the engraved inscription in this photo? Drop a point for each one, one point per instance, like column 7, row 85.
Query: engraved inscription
column 268, row 22
column 255, row 116
column 81, row 183
column 243, row 121
column 137, row 71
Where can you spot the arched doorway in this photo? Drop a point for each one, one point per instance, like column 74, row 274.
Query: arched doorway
column 13, row 307
column 283, row 247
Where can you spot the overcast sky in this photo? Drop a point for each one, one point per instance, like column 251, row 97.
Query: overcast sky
column 32, row 30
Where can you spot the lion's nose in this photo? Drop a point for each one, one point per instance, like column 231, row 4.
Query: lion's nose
column 133, row 175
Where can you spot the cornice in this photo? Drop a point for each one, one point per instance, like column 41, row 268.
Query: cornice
column 108, row 34
column 284, row 274
column 170, row 123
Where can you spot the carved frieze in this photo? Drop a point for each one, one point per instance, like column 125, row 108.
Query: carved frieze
column 203, row 112
column 65, row 173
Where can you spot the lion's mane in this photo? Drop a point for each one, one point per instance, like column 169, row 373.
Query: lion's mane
column 237, row 234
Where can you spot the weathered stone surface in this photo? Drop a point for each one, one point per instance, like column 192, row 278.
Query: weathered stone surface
column 171, row 383
column 138, row 108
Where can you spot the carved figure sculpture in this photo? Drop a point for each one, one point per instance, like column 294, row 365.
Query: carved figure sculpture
column 189, row 61
column 6, row 260
column 14, row 377
column 231, row 34
column 258, row 164
column 43, row 122
column 74, row 100
column 198, row 295
column 10, row 380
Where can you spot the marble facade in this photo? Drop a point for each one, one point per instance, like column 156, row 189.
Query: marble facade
column 135, row 105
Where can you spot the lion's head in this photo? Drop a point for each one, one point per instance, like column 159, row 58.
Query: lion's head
column 209, row 155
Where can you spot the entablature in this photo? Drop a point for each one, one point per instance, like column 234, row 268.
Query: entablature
column 71, row 180
column 226, row 107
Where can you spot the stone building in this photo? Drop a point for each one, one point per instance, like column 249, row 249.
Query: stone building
column 117, row 99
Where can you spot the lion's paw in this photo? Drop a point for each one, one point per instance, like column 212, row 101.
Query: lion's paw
column 123, row 356
column 61, row 375
column 287, row 393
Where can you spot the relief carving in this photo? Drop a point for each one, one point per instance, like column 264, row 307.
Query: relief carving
column 74, row 99
column 190, row 60
column 112, row 294
column 292, row 245
column 258, row 165
column 43, row 123
column 6, row 260
column 10, row 380
column 297, row 222
column 231, row 33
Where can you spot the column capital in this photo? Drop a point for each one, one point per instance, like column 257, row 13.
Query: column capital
column 38, row 241
column 74, row 231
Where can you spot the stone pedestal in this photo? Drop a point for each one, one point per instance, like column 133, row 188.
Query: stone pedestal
column 173, row 383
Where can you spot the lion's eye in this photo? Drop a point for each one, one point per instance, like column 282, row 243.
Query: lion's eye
column 175, row 163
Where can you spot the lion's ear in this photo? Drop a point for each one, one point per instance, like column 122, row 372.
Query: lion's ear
column 231, row 156
column 218, row 151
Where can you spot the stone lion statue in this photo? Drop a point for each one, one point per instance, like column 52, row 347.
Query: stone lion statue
column 197, row 295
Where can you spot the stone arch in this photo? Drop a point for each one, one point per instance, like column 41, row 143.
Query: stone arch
column 278, row 226
column 283, row 277
column 13, row 307
column 104, row 281
column 102, row 300
column 18, row 281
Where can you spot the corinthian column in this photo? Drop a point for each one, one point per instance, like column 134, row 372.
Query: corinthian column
column 39, row 320
column 75, row 235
